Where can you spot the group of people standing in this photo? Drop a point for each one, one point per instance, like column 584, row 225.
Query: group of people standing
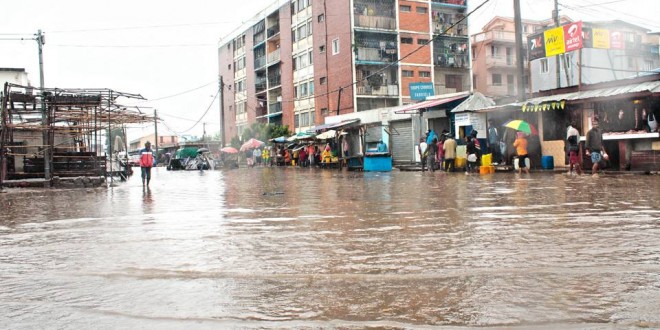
column 303, row 156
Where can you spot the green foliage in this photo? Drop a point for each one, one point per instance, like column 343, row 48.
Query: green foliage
column 260, row 131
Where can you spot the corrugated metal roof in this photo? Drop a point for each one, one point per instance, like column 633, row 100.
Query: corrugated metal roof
column 649, row 86
column 475, row 102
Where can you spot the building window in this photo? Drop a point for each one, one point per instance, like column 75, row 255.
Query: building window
column 406, row 40
column 544, row 65
column 497, row 79
column 323, row 80
column 171, row 139
column 324, row 111
column 422, row 41
column 321, row 18
column 567, row 61
column 335, row 46
column 425, row 74
column 322, row 49
column 474, row 81
column 407, row 73
column 229, row 67
column 493, row 50
column 422, row 10
column 405, row 9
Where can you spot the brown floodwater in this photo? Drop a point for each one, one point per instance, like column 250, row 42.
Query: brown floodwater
column 308, row 248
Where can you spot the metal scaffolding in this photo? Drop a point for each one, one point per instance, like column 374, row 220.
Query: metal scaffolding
column 62, row 132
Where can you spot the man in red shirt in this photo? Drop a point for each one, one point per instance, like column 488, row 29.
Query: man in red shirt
column 146, row 162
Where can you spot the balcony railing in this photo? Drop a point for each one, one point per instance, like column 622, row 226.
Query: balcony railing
column 459, row 30
column 385, row 90
column 274, row 81
column 452, row 2
column 376, row 54
column 274, row 57
column 275, row 107
column 260, row 84
column 273, row 31
column 260, row 62
column 502, row 36
column 259, row 38
column 502, row 61
column 375, row 22
column 452, row 61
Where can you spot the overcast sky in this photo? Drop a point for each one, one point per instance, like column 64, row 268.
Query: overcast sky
column 166, row 50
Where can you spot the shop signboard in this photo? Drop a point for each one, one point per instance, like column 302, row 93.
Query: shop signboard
column 421, row 90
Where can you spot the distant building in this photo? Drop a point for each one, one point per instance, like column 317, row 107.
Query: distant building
column 16, row 76
column 164, row 142
column 629, row 51
column 494, row 56
column 300, row 61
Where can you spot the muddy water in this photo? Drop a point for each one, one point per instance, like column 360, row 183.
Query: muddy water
column 293, row 248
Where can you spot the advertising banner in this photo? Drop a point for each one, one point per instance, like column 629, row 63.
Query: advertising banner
column 536, row 46
column 601, row 38
column 616, row 40
column 554, row 41
column 572, row 36
column 587, row 37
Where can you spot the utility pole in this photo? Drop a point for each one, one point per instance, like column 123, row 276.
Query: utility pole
column 555, row 16
column 156, row 133
column 44, row 111
column 519, row 50
column 222, row 112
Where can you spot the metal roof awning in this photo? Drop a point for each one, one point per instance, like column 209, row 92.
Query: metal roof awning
column 270, row 115
column 543, row 103
column 415, row 108
column 338, row 125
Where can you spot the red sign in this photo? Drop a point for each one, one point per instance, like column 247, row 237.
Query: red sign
column 572, row 36
column 616, row 40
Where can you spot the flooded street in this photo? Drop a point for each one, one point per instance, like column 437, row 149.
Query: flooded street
column 307, row 248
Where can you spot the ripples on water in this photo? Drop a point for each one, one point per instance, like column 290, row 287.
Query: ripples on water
column 301, row 248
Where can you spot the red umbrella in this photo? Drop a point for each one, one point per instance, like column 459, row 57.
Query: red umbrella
column 229, row 150
column 251, row 144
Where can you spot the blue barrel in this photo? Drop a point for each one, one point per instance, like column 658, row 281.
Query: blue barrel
column 547, row 162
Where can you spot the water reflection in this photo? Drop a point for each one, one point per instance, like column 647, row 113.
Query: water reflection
column 301, row 248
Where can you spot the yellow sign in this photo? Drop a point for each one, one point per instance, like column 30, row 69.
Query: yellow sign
column 601, row 38
column 554, row 41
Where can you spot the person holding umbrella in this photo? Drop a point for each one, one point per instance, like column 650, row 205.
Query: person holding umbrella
column 521, row 149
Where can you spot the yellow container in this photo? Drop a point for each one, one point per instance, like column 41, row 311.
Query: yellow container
column 460, row 162
column 486, row 169
column 486, row 160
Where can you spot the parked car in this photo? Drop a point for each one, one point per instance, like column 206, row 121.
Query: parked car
column 134, row 160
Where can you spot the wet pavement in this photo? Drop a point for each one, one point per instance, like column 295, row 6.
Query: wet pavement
column 307, row 248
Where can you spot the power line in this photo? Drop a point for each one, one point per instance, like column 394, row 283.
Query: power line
column 135, row 46
column 177, row 94
column 202, row 117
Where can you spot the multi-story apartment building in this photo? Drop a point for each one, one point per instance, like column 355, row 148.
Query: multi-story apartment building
column 611, row 50
column 494, row 56
column 299, row 61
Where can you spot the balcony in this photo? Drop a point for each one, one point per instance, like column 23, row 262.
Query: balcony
column 274, row 57
column 376, row 55
column 452, row 61
column 259, row 62
column 386, row 90
column 275, row 108
column 260, row 84
column 375, row 22
column 273, row 31
column 274, row 81
column 461, row 3
column 501, row 36
column 459, row 30
column 259, row 38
